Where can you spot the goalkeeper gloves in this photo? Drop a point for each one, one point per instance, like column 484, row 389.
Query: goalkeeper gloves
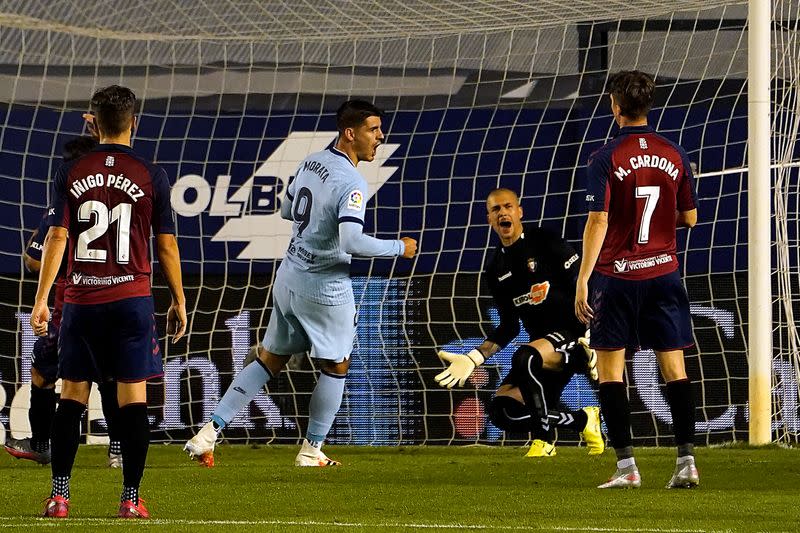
column 461, row 367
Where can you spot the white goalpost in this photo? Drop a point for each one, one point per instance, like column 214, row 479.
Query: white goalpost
column 759, row 341
column 478, row 95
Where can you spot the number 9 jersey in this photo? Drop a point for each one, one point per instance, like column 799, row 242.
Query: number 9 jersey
column 109, row 201
column 642, row 180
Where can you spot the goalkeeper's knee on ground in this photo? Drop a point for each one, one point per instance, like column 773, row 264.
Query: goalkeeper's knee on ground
column 509, row 414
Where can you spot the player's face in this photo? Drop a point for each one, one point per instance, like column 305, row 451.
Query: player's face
column 505, row 216
column 366, row 138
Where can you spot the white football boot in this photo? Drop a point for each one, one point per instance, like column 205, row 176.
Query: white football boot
column 685, row 476
column 311, row 456
column 627, row 479
column 201, row 446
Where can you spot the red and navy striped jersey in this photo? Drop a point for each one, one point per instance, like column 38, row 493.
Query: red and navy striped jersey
column 110, row 200
column 642, row 180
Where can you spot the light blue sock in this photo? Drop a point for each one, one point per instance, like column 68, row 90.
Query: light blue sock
column 241, row 392
column 325, row 403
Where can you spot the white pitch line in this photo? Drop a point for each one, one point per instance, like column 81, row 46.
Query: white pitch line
column 5, row 522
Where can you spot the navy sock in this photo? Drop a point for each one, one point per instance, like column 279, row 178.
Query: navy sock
column 616, row 413
column 135, row 429
column 681, row 405
column 40, row 416
column 65, row 437
column 108, row 398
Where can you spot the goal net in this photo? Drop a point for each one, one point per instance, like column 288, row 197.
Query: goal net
column 478, row 95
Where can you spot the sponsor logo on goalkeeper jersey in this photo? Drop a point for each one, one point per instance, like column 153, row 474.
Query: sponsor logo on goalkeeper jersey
column 623, row 265
column 82, row 279
column 537, row 294
column 243, row 212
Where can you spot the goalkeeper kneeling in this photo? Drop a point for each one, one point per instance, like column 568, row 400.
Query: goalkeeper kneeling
column 532, row 279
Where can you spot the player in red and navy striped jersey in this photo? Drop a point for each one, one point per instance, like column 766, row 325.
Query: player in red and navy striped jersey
column 44, row 359
column 639, row 189
column 108, row 203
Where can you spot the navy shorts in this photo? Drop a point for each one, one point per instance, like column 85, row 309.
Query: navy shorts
column 116, row 340
column 45, row 354
column 640, row 314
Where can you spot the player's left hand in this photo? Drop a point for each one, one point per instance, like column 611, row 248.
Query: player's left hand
column 40, row 316
column 583, row 310
column 91, row 125
column 461, row 367
column 176, row 321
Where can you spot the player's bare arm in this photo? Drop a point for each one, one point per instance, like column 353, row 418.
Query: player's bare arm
column 593, row 236
column 170, row 261
column 686, row 219
column 53, row 252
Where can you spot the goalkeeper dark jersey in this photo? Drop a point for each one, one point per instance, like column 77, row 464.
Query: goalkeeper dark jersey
column 533, row 280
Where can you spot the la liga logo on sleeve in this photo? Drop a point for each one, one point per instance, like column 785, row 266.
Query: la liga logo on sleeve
column 356, row 201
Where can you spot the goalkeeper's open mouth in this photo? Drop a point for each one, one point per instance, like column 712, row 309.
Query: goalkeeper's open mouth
column 506, row 224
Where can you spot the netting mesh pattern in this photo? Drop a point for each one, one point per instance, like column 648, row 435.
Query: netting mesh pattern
column 469, row 108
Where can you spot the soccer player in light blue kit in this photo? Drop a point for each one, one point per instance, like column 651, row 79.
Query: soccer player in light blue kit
column 313, row 304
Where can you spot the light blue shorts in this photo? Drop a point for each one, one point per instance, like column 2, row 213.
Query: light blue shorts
column 298, row 325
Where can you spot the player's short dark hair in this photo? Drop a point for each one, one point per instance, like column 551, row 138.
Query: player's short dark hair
column 113, row 107
column 633, row 91
column 353, row 113
column 502, row 190
column 77, row 147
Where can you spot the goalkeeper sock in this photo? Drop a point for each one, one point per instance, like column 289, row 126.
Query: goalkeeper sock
column 40, row 416
column 681, row 405
column 569, row 419
column 616, row 412
column 64, row 438
column 526, row 366
column 135, row 429
column 241, row 392
column 325, row 402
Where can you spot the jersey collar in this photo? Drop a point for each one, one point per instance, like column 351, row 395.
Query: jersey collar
column 514, row 244
column 112, row 148
column 338, row 152
column 634, row 129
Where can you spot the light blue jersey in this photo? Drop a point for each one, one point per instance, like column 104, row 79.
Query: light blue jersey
column 327, row 201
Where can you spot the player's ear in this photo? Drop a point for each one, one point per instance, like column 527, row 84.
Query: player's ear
column 349, row 134
column 133, row 123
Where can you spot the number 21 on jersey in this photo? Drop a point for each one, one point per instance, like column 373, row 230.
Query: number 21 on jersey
column 98, row 213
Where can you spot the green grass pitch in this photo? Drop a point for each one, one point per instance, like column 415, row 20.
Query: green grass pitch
column 416, row 489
